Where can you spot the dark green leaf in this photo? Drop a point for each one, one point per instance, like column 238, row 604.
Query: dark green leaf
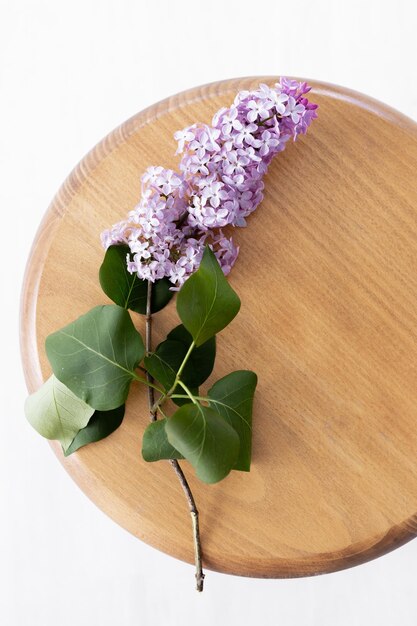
column 205, row 439
column 101, row 425
column 56, row 413
column 126, row 289
column 201, row 360
column 232, row 397
column 95, row 356
column 164, row 363
column 155, row 444
column 206, row 303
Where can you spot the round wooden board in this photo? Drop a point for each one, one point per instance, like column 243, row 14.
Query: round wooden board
column 327, row 275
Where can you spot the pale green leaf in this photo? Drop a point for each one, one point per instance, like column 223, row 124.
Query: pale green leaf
column 56, row 413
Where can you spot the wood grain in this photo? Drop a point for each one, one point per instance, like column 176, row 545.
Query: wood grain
column 327, row 275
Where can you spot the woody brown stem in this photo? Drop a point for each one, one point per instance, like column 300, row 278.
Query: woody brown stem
column 199, row 575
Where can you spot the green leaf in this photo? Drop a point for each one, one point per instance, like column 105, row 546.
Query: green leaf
column 232, row 397
column 201, row 360
column 101, row 425
column 56, row 413
column 155, row 444
column 164, row 363
column 206, row 303
column 96, row 355
column 126, row 289
column 205, row 439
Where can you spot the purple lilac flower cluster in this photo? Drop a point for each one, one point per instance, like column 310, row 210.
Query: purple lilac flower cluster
column 219, row 183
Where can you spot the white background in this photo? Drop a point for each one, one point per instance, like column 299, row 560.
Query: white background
column 70, row 71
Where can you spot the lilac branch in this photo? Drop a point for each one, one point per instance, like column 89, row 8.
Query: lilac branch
column 148, row 348
column 153, row 410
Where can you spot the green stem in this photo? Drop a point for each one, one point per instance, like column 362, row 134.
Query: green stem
column 199, row 398
column 262, row 122
column 187, row 391
column 183, row 364
column 164, row 396
column 162, row 413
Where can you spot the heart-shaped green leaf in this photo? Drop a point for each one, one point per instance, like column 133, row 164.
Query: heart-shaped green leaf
column 155, row 444
column 232, row 397
column 201, row 360
column 164, row 363
column 101, row 425
column 206, row 303
column 205, row 439
column 96, row 355
column 126, row 289
column 56, row 413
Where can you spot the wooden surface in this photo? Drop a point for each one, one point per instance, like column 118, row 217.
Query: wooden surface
column 327, row 275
